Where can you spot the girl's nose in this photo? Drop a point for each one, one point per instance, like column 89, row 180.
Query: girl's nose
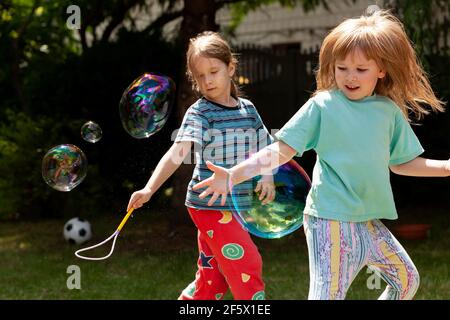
column 351, row 77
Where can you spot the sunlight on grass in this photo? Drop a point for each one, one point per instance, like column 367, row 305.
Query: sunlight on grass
column 14, row 242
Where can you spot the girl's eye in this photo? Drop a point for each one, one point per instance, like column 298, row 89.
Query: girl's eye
column 361, row 70
column 342, row 68
column 213, row 72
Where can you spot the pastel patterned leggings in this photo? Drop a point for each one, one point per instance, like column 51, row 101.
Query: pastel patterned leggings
column 228, row 258
column 339, row 250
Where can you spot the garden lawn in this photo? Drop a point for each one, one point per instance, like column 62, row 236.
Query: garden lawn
column 152, row 262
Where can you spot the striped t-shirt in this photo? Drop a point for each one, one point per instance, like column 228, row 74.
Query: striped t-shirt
column 224, row 136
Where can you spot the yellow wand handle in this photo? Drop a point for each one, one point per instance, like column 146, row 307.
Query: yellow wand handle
column 124, row 220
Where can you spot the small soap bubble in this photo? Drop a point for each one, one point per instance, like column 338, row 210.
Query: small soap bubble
column 91, row 132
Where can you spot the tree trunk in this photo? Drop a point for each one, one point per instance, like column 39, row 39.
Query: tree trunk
column 16, row 54
column 199, row 15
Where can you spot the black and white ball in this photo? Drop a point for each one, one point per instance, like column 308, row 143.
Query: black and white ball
column 77, row 231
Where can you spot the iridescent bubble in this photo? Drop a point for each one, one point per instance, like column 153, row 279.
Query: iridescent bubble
column 91, row 132
column 146, row 104
column 64, row 167
column 281, row 216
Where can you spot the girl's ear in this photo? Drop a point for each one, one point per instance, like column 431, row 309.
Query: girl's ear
column 231, row 69
column 381, row 74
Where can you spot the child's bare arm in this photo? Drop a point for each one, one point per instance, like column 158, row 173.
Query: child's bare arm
column 421, row 167
column 261, row 163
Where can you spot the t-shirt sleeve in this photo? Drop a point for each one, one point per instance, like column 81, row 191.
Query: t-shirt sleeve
column 405, row 145
column 301, row 132
column 193, row 127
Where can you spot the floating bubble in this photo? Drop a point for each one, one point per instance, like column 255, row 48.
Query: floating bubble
column 281, row 216
column 146, row 104
column 91, row 132
column 64, row 167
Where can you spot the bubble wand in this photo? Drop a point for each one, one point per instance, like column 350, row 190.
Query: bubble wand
column 114, row 235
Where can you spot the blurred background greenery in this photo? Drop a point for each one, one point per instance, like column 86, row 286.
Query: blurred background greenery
column 53, row 79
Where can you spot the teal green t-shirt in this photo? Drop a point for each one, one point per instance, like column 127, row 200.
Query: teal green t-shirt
column 355, row 142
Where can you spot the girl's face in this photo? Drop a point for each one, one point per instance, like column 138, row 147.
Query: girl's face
column 213, row 78
column 356, row 76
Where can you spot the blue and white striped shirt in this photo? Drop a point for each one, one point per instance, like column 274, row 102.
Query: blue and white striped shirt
column 225, row 136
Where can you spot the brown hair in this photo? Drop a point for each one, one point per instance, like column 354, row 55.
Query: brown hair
column 381, row 37
column 211, row 45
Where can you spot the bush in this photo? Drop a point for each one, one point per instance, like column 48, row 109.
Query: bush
column 23, row 192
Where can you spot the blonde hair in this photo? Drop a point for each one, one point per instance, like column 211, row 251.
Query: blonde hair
column 210, row 45
column 381, row 37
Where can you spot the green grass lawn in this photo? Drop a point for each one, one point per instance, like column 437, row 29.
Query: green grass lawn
column 149, row 263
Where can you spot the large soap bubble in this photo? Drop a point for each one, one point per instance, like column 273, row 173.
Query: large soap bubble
column 64, row 167
column 146, row 104
column 281, row 216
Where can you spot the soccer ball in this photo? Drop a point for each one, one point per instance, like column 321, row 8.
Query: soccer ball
column 77, row 231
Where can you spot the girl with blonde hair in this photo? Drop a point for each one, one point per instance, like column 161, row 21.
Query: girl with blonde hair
column 369, row 82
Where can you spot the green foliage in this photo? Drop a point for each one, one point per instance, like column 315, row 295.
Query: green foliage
column 30, row 23
column 23, row 192
column 66, row 86
column 21, row 151
column 427, row 24
column 30, row 32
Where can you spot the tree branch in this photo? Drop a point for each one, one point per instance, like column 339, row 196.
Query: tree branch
column 222, row 3
column 117, row 18
column 27, row 22
column 82, row 34
column 16, row 55
column 163, row 20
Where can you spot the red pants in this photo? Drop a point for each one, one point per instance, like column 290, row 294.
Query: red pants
column 227, row 258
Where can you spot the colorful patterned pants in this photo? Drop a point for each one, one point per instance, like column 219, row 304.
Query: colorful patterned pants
column 228, row 258
column 339, row 250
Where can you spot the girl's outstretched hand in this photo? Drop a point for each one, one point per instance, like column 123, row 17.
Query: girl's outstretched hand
column 138, row 198
column 217, row 184
column 267, row 188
